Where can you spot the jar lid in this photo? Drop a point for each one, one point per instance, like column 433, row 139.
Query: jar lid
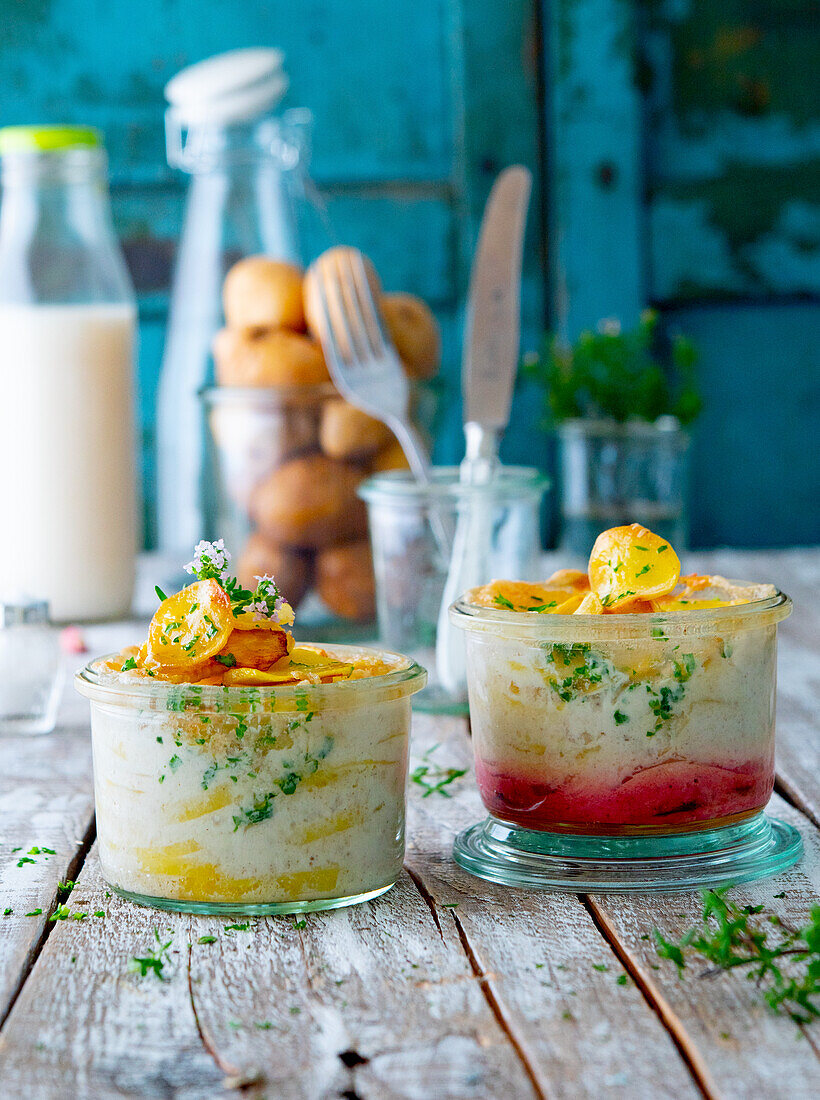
column 45, row 139
column 237, row 86
column 23, row 612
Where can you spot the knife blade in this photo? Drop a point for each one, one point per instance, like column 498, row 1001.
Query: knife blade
column 492, row 328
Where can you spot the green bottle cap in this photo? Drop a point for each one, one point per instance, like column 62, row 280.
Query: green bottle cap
column 44, row 139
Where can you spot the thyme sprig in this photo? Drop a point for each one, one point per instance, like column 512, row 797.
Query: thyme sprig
column 783, row 962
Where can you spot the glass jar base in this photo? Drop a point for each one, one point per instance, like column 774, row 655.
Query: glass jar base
column 508, row 854
column 248, row 909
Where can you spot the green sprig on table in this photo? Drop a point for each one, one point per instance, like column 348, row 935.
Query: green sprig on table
column 619, row 375
column 783, row 962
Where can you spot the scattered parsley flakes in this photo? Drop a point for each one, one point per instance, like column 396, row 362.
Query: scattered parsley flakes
column 226, row 659
column 601, row 966
column 34, row 913
column 206, row 939
column 299, row 923
column 657, row 632
column 620, row 717
column 237, row 928
column 99, row 913
column 622, row 979
column 62, row 912
column 502, row 601
column 160, row 594
column 643, row 569
column 662, row 548
column 434, row 779
column 8, row 911
column 730, row 937
column 153, row 962
column 129, row 664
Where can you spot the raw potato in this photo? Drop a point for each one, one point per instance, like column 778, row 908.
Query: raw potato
column 264, row 293
column 347, row 432
column 311, row 311
column 391, row 458
column 345, row 581
column 268, row 357
column 310, row 502
column 415, row 332
column 290, row 569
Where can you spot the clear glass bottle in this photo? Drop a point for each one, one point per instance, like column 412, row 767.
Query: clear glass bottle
column 67, row 319
column 30, row 669
column 249, row 194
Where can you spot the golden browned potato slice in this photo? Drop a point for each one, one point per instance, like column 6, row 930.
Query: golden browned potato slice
column 256, row 648
column 347, row 432
column 345, row 581
column 415, row 332
column 263, row 293
column 268, row 357
column 190, row 627
column 310, row 502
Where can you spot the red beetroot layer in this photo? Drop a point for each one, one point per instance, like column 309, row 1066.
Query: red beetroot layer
column 666, row 795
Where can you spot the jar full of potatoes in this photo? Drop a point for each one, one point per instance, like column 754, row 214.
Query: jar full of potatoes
column 290, row 452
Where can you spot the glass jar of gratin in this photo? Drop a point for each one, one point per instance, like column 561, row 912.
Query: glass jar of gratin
column 624, row 751
column 254, row 800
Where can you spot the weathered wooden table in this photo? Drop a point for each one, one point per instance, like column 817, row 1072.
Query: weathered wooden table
column 446, row 987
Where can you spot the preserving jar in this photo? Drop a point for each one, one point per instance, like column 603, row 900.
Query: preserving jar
column 624, row 751
column 252, row 800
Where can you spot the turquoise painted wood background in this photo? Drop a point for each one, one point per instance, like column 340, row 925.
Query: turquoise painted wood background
column 676, row 145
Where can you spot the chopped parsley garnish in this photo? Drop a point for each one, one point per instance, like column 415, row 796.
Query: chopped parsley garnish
column 206, row 939
column 644, row 548
column 8, row 911
column 657, row 632
column 226, row 659
column 434, row 779
column 261, row 810
column 662, row 548
column 153, row 961
column 620, row 717
column 237, row 927
column 643, row 569
column 129, row 664
column 160, row 594
column 684, row 668
column 545, row 606
column 34, row 913
column 502, row 601
column 299, row 924
column 62, row 912
column 732, row 936
column 174, row 762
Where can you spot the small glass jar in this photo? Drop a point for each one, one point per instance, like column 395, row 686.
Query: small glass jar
column 30, row 669
column 288, row 508
column 624, row 752
column 410, row 572
column 252, row 800
column 612, row 474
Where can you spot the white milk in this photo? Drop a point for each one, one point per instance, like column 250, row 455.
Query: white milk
column 68, row 509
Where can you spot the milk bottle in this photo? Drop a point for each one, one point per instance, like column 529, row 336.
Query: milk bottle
column 68, row 483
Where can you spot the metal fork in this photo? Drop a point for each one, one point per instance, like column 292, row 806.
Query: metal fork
column 362, row 360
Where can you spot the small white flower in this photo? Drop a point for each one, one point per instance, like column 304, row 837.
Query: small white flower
column 212, row 555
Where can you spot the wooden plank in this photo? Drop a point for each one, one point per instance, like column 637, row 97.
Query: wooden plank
column 549, row 974
column 373, row 999
column 46, row 802
column 738, row 1047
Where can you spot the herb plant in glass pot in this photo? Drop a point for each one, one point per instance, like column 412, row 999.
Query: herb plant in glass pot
column 620, row 402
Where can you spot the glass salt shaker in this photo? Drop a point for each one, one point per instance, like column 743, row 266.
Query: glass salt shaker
column 30, row 668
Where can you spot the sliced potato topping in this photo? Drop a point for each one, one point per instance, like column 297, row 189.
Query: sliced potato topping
column 191, row 626
column 630, row 564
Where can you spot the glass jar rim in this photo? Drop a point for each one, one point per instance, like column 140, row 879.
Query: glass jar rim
column 697, row 622
column 405, row 679
column 666, row 427
column 400, row 486
column 267, row 396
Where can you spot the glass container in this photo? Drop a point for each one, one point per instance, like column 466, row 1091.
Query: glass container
column 249, row 194
column 287, row 508
column 67, row 320
column 30, row 668
column 252, row 800
column 624, row 752
column 410, row 572
column 613, row 474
